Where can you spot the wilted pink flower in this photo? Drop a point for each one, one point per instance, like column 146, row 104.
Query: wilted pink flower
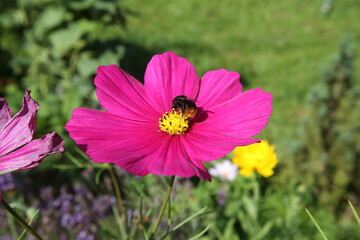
column 17, row 149
column 130, row 134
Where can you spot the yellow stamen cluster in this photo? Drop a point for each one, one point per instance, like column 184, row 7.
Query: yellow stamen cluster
column 174, row 122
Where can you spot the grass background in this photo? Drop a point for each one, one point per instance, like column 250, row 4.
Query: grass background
column 280, row 46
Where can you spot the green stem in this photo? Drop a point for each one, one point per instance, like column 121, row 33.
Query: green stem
column 256, row 188
column 163, row 207
column 20, row 220
column 118, row 192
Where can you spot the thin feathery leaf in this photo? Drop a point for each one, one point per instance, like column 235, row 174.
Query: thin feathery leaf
column 355, row 213
column 316, row 225
column 201, row 233
column 197, row 214
column 31, row 221
column 74, row 160
column 120, row 223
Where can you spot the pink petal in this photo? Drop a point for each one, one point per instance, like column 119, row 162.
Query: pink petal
column 207, row 145
column 20, row 129
column 138, row 147
column 121, row 94
column 5, row 113
column 108, row 138
column 167, row 76
column 171, row 158
column 33, row 153
column 228, row 125
column 243, row 117
column 218, row 86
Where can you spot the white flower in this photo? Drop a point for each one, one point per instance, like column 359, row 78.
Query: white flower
column 224, row 170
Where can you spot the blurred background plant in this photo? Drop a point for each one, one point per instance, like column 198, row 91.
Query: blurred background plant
column 53, row 48
column 327, row 151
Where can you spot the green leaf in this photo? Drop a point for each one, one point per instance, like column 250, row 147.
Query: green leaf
column 98, row 175
column 33, row 215
column 71, row 100
column 355, row 213
column 229, row 229
column 48, row 19
column 201, row 233
column 316, row 225
column 87, row 67
column 110, row 57
column 264, row 231
column 120, row 223
column 7, row 171
column 197, row 214
column 74, row 160
column 12, row 18
column 81, row 5
column 65, row 39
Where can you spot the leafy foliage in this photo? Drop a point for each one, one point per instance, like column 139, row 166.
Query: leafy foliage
column 328, row 148
column 54, row 47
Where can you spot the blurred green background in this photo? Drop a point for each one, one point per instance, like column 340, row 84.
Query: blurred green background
column 303, row 52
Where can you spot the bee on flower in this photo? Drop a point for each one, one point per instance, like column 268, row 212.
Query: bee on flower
column 171, row 124
column 259, row 157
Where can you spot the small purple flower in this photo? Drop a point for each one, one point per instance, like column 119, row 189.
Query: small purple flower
column 6, row 236
column 47, row 193
column 17, row 149
column 103, row 203
column 6, row 182
column 83, row 235
column 221, row 197
column 66, row 220
column 72, row 212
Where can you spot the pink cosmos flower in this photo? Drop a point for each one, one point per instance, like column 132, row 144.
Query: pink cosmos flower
column 211, row 118
column 17, row 149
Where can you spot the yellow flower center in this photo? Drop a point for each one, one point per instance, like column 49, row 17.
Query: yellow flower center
column 174, row 122
column 224, row 174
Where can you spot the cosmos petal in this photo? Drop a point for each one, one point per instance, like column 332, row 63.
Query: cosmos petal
column 217, row 145
column 108, row 138
column 121, row 94
column 129, row 136
column 138, row 148
column 218, row 86
column 20, row 129
column 5, row 113
column 244, row 116
column 32, row 154
column 167, row 76
column 171, row 158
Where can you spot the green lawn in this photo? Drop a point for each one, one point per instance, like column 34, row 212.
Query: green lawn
column 280, row 46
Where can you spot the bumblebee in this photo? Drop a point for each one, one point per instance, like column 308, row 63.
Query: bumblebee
column 184, row 104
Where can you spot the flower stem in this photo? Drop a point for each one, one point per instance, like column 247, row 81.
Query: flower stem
column 163, row 207
column 20, row 220
column 117, row 191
